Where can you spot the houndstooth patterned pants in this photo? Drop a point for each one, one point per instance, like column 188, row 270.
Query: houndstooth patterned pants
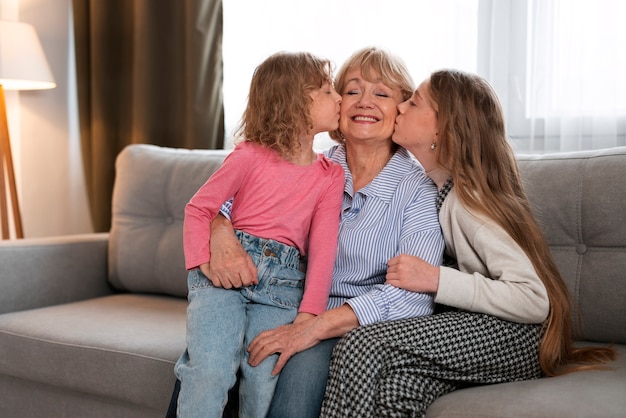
column 399, row 368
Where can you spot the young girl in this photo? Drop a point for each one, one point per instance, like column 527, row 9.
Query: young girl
column 510, row 318
column 286, row 205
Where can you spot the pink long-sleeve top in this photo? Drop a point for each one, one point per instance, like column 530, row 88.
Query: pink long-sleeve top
column 273, row 199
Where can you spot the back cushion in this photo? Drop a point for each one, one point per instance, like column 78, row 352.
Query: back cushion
column 580, row 201
column 152, row 186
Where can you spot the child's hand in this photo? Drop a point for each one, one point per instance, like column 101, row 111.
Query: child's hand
column 412, row 273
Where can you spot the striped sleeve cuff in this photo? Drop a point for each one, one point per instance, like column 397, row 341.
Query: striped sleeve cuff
column 227, row 208
column 369, row 308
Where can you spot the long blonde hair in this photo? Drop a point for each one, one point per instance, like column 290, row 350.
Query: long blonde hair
column 278, row 108
column 473, row 147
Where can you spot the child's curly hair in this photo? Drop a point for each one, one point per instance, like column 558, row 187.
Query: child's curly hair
column 278, row 108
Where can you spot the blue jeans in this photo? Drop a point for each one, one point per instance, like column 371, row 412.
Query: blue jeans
column 302, row 383
column 221, row 323
column 300, row 388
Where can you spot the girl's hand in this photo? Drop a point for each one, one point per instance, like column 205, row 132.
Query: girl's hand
column 412, row 273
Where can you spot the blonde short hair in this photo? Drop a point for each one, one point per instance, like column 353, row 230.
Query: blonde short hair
column 376, row 63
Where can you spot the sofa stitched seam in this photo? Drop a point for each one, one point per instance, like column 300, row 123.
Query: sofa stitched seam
column 84, row 346
column 579, row 229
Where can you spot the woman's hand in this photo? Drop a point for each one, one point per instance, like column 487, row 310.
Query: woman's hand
column 230, row 265
column 303, row 316
column 302, row 334
column 286, row 340
column 412, row 273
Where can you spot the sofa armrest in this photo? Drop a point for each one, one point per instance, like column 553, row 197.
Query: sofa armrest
column 38, row 272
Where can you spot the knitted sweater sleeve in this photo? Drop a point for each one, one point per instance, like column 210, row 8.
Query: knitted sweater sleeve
column 494, row 275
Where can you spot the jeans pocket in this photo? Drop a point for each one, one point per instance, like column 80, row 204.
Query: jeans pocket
column 287, row 292
column 196, row 280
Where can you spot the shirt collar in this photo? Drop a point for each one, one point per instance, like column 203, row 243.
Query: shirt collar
column 384, row 185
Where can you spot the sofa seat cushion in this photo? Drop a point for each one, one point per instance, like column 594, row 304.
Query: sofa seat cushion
column 109, row 346
column 595, row 393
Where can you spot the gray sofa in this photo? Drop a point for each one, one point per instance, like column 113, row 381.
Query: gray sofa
column 91, row 325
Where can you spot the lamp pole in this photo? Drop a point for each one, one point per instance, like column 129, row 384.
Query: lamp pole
column 7, row 177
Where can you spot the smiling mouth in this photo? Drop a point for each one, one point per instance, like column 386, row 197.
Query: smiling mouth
column 365, row 119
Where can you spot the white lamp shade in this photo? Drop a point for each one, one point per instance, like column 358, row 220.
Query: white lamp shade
column 23, row 64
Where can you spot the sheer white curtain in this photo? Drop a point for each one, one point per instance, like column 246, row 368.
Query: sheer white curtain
column 558, row 66
column 426, row 34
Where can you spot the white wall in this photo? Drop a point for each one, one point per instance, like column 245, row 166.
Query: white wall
column 44, row 132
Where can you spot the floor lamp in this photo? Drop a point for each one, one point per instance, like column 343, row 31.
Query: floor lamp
column 23, row 66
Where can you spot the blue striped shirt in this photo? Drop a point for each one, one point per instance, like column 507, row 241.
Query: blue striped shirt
column 394, row 214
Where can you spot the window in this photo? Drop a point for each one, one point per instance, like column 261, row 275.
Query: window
column 427, row 35
column 576, row 43
column 557, row 65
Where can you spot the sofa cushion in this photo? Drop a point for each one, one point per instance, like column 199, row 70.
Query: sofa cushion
column 107, row 346
column 152, row 186
column 596, row 393
column 580, row 201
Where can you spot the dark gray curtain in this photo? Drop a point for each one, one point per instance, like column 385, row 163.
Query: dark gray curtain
column 148, row 71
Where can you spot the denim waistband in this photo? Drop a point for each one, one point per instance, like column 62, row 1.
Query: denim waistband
column 286, row 254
